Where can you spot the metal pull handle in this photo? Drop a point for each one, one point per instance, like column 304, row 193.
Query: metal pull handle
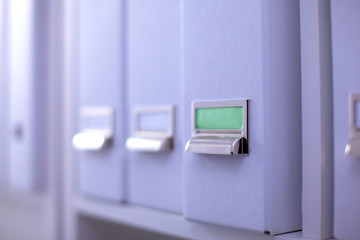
column 153, row 129
column 96, row 128
column 90, row 141
column 353, row 146
column 149, row 144
column 213, row 145
column 212, row 135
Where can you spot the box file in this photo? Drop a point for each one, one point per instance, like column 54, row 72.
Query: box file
column 346, row 96
column 154, row 79
column 27, row 91
column 3, row 95
column 245, row 50
column 101, row 170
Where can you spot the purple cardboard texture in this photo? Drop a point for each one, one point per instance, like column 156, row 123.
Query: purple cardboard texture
column 102, row 173
column 246, row 49
column 26, row 137
column 154, row 78
column 346, row 75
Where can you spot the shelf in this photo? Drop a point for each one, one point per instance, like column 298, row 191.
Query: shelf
column 22, row 199
column 168, row 223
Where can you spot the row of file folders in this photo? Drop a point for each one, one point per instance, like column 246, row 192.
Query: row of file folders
column 192, row 108
column 215, row 91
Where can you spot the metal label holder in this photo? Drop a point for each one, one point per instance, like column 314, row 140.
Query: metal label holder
column 151, row 140
column 353, row 146
column 94, row 138
column 219, row 141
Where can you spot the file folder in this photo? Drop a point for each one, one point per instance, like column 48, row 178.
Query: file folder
column 3, row 96
column 154, row 71
column 244, row 50
column 346, row 135
column 101, row 172
column 27, row 97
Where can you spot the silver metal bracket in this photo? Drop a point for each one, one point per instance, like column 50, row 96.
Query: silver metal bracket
column 217, row 145
column 157, row 134
column 149, row 144
column 353, row 146
column 96, row 128
column 226, row 141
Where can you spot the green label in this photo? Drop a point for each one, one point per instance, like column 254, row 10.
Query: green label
column 220, row 118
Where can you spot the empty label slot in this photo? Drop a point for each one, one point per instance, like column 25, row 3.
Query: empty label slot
column 96, row 122
column 159, row 121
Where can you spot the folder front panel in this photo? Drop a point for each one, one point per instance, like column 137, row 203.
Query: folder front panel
column 27, row 89
column 101, row 173
column 3, row 95
column 154, row 80
column 232, row 51
column 346, row 75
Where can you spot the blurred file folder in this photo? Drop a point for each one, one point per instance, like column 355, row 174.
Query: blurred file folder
column 346, row 99
column 27, row 85
column 154, row 78
column 101, row 171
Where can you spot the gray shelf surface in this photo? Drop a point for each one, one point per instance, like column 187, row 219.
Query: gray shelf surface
column 168, row 223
